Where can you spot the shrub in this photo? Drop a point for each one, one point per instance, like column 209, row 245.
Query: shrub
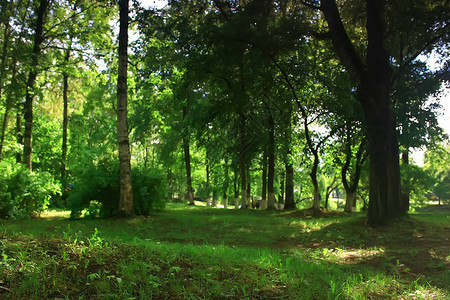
column 149, row 190
column 97, row 191
column 24, row 193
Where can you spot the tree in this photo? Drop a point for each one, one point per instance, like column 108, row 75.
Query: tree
column 373, row 77
column 350, row 178
column 28, row 107
column 436, row 164
column 187, row 158
column 289, row 202
column 416, row 115
column 5, row 12
column 126, row 189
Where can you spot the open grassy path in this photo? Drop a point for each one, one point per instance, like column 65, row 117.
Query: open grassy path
column 207, row 253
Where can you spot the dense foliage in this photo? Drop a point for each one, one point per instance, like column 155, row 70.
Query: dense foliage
column 24, row 193
column 98, row 191
column 247, row 102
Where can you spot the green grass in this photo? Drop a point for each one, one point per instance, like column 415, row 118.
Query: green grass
column 207, row 253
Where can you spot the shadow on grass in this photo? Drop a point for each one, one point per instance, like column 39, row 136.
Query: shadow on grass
column 329, row 250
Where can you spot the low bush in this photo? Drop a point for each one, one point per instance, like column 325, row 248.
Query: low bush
column 24, row 193
column 98, row 192
column 150, row 190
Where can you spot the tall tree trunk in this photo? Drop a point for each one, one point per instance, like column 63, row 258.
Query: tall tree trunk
column 271, row 171
column 214, row 198
column 351, row 187
column 282, row 189
column 242, row 159
column 9, row 103
column 405, row 186
column 373, row 81
column 187, row 161
column 4, row 125
column 350, row 197
column 263, row 203
column 65, row 116
column 19, row 135
column 6, row 34
column 28, row 107
column 236, row 189
column 226, row 184
column 249, row 188
column 225, row 199
column 374, row 94
column 126, row 188
column 384, row 189
column 315, row 183
column 289, row 202
column 208, row 185
column 328, row 191
column 170, row 182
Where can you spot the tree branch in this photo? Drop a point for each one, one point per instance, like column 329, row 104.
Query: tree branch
column 407, row 62
column 341, row 41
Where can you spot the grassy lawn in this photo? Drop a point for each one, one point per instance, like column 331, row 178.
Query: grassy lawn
column 208, row 253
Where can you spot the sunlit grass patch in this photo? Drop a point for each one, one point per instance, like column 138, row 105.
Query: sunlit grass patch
column 441, row 218
column 50, row 214
column 351, row 256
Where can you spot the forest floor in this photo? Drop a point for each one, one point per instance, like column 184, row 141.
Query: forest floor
column 193, row 252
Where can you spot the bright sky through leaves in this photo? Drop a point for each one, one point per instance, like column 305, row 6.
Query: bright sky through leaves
column 154, row 3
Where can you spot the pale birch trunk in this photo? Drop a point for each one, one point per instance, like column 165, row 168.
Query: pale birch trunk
column 126, row 189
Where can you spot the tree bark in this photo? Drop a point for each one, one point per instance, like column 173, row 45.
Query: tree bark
column 187, row 160
column 406, row 186
column 208, row 185
column 271, row 171
column 289, row 202
column 328, row 191
column 350, row 198
column 28, row 107
column 374, row 94
column 187, row 163
column 236, row 189
column 4, row 124
column 249, row 188
column 214, row 198
column 282, row 189
column 242, row 159
column 315, row 183
column 9, row 102
column 126, row 188
column 225, row 200
column 373, row 82
column 6, row 34
column 65, row 117
column 226, row 184
column 350, row 187
column 264, row 181
column 170, row 182
column 19, row 136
